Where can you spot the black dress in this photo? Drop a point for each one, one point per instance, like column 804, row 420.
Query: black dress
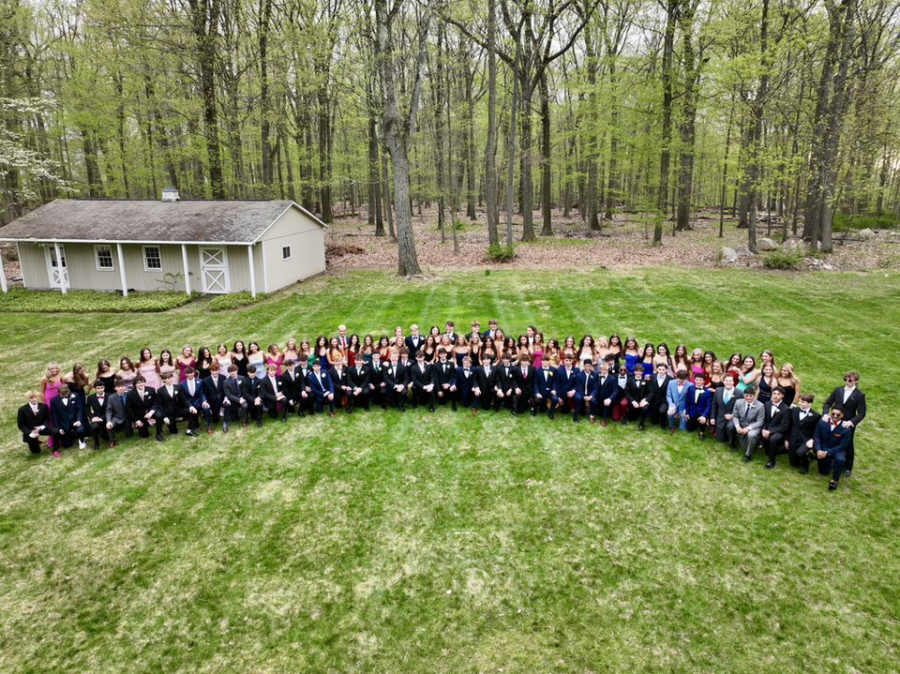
column 240, row 361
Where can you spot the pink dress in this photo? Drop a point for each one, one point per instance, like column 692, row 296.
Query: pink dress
column 537, row 357
column 184, row 366
column 148, row 372
column 276, row 362
column 51, row 392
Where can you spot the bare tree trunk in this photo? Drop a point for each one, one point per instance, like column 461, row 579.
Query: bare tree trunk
column 511, row 157
column 546, row 184
column 204, row 23
column 490, row 150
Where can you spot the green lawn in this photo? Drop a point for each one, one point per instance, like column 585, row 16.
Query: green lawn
column 384, row 542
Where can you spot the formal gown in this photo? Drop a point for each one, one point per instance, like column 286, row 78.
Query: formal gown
column 241, row 362
column 127, row 378
column 51, row 392
column 630, row 361
column 224, row 364
column 276, row 361
column 182, row 367
column 765, row 391
column 148, row 372
column 109, row 382
column 537, row 357
column 203, row 372
column 163, row 369
column 259, row 360
column 790, row 392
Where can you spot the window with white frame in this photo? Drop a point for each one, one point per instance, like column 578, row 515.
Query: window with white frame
column 104, row 257
column 152, row 258
column 285, row 252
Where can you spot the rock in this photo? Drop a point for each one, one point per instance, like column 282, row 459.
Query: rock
column 742, row 251
column 728, row 255
column 766, row 244
column 827, row 267
column 794, row 246
column 866, row 233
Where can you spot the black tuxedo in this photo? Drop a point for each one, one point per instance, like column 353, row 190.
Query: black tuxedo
column 414, row 345
column 607, row 389
column 233, row 390
column 854, row 411
column 484, row 382
column 361, row 378
column 377, row 384
column 137, row 410
column 465, row 381
column 169, row 407
column 214, row 391
column 444, row 380
column 341, row 383
column 268, row 393
column 525, row 383
column 420, row 379
column 637, row 391
column 27, row 420
column 776, row 420
column 96, row 408
column 802, row 431
column 396, row 376
column 504, row 385
column 658, row 411
column 293, row 385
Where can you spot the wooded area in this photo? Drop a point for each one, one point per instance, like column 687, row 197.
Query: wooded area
column 657, row 107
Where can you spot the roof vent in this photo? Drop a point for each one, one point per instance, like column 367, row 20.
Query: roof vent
column 170, row 193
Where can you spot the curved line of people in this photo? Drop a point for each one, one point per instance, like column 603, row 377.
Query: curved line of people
column 734, row 401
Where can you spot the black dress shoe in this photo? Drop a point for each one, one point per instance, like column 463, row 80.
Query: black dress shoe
column 770, row 465
column 160, row 438
column 832, row 486
column 804, row 471
column 848, row 473
column 747, row 458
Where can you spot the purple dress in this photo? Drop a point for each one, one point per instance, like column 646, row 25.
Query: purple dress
column 51, row 392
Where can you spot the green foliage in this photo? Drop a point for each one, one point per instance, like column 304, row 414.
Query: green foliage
column 848, row 223
column 500, row 253
column 784, row 261
column 22, row 300
column 234, row 300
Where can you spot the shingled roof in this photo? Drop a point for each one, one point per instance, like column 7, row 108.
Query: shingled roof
column 148, row 221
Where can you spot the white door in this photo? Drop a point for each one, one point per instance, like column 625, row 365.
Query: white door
column 214, row 269
column 58, row 270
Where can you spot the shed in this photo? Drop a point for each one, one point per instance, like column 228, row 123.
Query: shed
column 206, row 246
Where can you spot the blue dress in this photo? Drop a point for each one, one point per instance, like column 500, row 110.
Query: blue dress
column 630, row 362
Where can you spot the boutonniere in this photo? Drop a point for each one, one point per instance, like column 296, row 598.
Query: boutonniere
column 549, row 374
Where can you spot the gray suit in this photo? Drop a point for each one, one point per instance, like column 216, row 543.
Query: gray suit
column 117, row 415
column 751, row 416
column 234, row 390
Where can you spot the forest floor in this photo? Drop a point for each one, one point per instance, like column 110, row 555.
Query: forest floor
column 623, row 242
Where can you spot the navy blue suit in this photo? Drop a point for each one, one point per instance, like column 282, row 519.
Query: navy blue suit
column 585, row 386
column 610, row 390
column 699, row 406
column 545, row 383
column 834, row 442
column 565, row 382
column 196, row 401
column 321, row 387
column 64, row 418
column 464, row 386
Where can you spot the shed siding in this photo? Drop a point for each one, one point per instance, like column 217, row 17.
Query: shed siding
column 307, row 241
column 34, row 266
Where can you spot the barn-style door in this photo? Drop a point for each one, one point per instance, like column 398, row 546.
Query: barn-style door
column 214, row 270
column 58, row 270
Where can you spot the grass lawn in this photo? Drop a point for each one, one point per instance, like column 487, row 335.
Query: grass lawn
column 384, row 542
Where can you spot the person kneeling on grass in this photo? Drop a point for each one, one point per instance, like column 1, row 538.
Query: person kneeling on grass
column 699, row 405
column 831, row 441
column 34, row 421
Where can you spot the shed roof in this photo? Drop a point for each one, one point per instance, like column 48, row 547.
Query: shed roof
column 146, row 221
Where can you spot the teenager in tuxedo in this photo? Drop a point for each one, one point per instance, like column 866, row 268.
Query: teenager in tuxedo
column 607, row 392
column 303, row 392
column 415, row 341
column 33, row 420
column 213, row 392
column 360, row 380
column 831, row 442
column 141, row 406
column 271, row 393
column 377, row 384
column 658, row 387
column 194, row 403
column 250, row 390
column 853, row 402
column 66, row 411
column 340, row 379
column 803, row 427
column 546, row 395
column 343, row 341
column 236, row 404
column 721, row 415
column 566, row 377
column 450, row 331
column 463, row 382
column 117, row 416
column 699, row 406
column 444, row 380
column 523, row 391
column 585, row 387
column 504, row 383
column 96, row 412
column 396, row 380
column 748, row 422
column 620, row 408
column 637, row 393
column 169, row 404
column 491, row 332
column 292, row 387
column 422, row 380
column 483, row 390
column 776, row 425
column 678, row 393
column 474, row 332
column 322, row 389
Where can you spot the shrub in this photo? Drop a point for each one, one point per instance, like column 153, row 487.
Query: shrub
column 785, row 261
column 234, row 300
column 499, row 253
column 22, row 300
column 847, row 223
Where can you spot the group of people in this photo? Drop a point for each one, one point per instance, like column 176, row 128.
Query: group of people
column 745, row 403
